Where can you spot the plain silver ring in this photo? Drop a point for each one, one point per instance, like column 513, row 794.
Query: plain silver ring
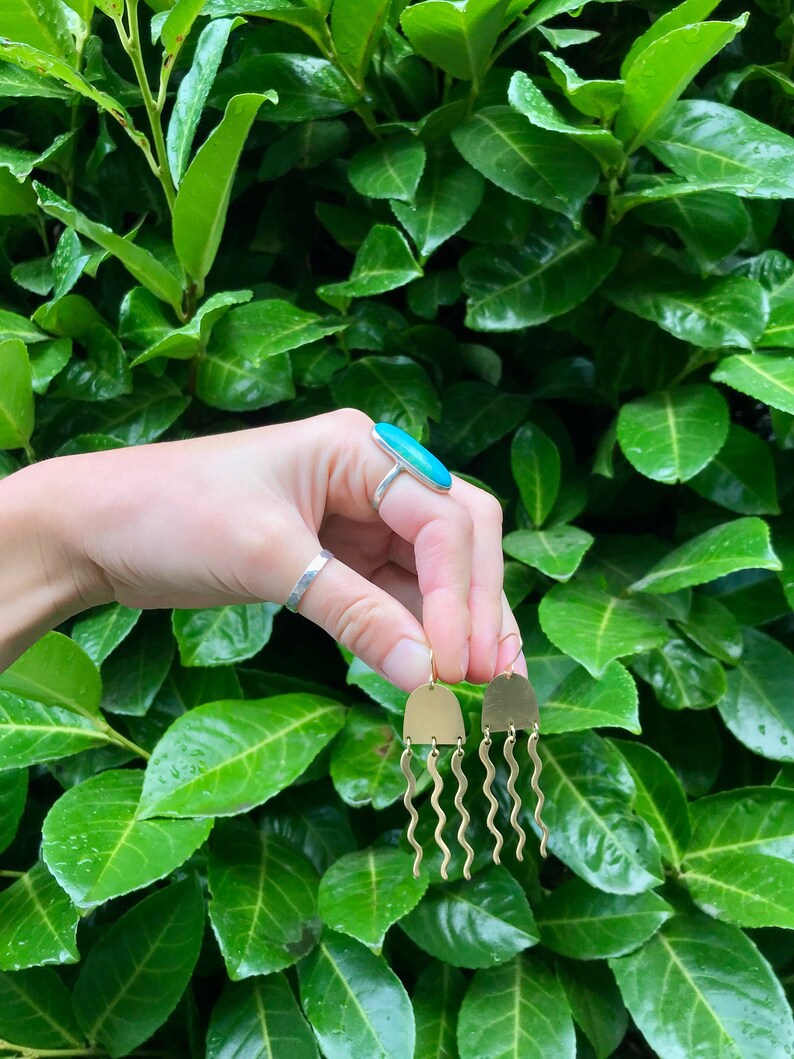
column 306, row 578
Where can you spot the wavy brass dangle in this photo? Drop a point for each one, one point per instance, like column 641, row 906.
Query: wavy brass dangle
column 433, row 717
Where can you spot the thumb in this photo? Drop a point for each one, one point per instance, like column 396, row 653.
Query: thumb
column 365, row 619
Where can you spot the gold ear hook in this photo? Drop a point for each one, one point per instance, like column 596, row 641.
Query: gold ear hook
column 433, row 670
column 509, row 666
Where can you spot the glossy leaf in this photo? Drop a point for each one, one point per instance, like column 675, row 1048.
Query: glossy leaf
column 535, row 461
column 767, row 378
column 364, row 892
column 447, row 196
column 517, row 1009
column 684, row 14
column 741, row 477
column 757, row 706
column 476, row 923
column 711, row 224
column 16, row 396
column 264, row 900
column 356, row 27
column 38, row 923
column 45, row 25
column 681, row 676
column 589, row 799
column 743, row 888
column 597, row 98
column 389, row 389
column 554, row 272
column 135, row 673
column 101, row 631
column 586, row 924
column 31, row 733
column 134, row 975
column 739, row 545
column 713, row 628
column 579, row 701
column 595, row 1003
column 97, row 847
column 661, row 800
column 307, row 87
column 365, row 760
column 755, row 820
column 56, row 672
column 205, row 191
column 540, row 166
column 705, row 141
column 383, row 262
column 390, row 168
column 258, row 1019
column 184, row 343
column 236, row 754
column 556, row 552
column 716, row 974
column 380, row 1022
column 36, row 1010
column 594, row 627
column 457, row 38
column 13, row 795
column 219, row 636
column 670, row 436
column 436, row 1002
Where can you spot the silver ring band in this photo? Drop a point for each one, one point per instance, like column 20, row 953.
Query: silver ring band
column 306, row 578
column 391, row 477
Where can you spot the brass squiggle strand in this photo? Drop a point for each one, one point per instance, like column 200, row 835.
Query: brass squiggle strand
column 438, row 786
column 541, row 798
column 511, row 790
column 410, row 791
column 490, row 773
column 465, row 818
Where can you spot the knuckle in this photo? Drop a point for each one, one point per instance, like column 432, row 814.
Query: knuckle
column 353, row 419
column 351, row 623
column 492, row 509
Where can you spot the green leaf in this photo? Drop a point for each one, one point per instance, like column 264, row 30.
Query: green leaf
column 757, row 706
column 743, row 888
column 259, row 1019
column 354, row 1001
column 140, row 263
column 307, row 87
column 16, row 199
column 101, row 630
column 717, row 311
column 16, row 395
column 712, row 971
column 709, row 142
column 31, row 733
column 225, row 757
column 755, row 820
column 135, row 974
column 38, row 923
column 670, row 436
column 14, row 326
column 775, row 272
column 660, row 73
column 681, row 676
column 742, row 544
column 556, row 552
column 390, row 168
column 14, row 81
column 193, row 91
column 389, row 389
column 586, row 924
column 597, row 99
column 436, row 1002
column 535, row 461
column 767, row 378
column 447, row 197
column 356, row 28
column 365, row 760
column 363, row 893
column 44, row 25
column 13, row 795
column 580, row 701
column 684, row 14
column 661, row 800
column 477, row 923
column 264, row 900
column 135, row 673
column 57, row 672
column 543, row 167
column 517, row 1009
column 135, row 419
column 555, row 270
column 97, row 847
column 383, row 262
column 206, row 189
column 219, row 636
column 741, row 477
column 595, row 1002
column 527, row 99
column 589, row 800
column 458, row 38
column 713, row 628
column 36, row 1010
column 593, row 626
column 475, row 415
column 46, row 360
column 184, row 343
column 178, row 24
column 711, row 224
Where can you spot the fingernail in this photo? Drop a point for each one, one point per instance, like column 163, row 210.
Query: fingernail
column 464, row 661
column 408, row 664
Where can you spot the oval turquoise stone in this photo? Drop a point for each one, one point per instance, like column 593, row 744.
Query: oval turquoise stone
column 403, row 446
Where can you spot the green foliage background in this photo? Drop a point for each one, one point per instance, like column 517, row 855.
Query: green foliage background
column 551, row 241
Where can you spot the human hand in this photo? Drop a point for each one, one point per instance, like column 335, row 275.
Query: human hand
column 236, row 518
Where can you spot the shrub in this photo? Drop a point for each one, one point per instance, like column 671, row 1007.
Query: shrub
column 553, row 246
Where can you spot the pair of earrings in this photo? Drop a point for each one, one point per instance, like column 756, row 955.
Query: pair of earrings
column 433, row 718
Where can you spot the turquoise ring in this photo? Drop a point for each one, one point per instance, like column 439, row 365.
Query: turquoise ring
column 409, row 456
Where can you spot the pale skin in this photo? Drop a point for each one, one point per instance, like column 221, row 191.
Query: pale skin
column 236, row 518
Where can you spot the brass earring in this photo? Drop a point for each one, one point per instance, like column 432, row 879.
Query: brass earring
column 510, row 704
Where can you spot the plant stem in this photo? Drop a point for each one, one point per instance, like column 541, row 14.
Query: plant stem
column 22, row 1052
column 121, row 740
column 7, row 873
column 132, row 45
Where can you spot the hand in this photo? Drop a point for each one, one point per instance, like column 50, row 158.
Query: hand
column 236, row 518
